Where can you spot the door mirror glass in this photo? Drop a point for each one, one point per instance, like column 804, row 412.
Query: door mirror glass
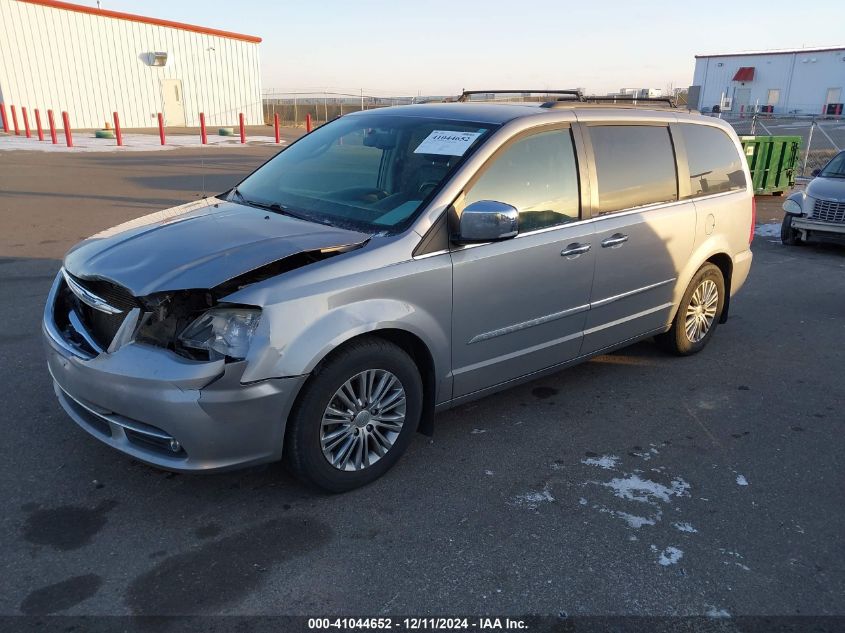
column 815, row 172
column 488, row 221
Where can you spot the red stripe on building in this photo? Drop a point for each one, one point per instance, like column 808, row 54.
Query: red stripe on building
column 131, row 17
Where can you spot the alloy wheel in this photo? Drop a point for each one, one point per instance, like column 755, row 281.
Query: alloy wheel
column 701, row 310
column 362, row 420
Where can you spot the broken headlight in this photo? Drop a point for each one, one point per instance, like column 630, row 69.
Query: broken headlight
column 224, row 331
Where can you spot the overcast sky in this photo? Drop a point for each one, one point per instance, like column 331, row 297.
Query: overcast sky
column 399, row 47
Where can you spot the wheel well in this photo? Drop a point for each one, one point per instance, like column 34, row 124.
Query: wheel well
column 420, row 354
column 724, row 263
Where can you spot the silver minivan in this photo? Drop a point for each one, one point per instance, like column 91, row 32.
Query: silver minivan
column 392, row 264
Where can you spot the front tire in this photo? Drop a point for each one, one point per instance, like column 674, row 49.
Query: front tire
column 355, row 416
column 698, row 314
column 788, row 235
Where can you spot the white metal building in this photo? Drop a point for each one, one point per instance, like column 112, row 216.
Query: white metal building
column 92, row 62
column 800, row 81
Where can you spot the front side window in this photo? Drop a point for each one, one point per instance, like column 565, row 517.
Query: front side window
column 715, row 165
column 835, row 168
column 536, row 174
column 635, row 166
column 371, row 172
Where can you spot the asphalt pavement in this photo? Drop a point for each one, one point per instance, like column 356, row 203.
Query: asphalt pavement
column 634, row 484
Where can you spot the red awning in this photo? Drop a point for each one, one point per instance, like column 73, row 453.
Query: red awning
column 745, row 73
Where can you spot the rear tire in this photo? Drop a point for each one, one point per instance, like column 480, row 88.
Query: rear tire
column 788, row 235
column 698, row 313
column 344, row 431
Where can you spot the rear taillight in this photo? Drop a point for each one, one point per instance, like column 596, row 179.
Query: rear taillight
column 753, row 219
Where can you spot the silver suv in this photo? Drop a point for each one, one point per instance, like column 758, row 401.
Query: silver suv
column 390, row 265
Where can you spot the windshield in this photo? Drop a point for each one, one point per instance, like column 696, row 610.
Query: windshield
column 835, row 168
column 369, row 172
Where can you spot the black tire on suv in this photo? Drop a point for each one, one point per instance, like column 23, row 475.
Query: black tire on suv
column 698, row 313
column 344, row 430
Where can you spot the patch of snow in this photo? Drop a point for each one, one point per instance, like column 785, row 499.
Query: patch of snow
column 632, row 520
column 635, row 521
column 745, row 567
column 713, row 612
column 634, row 488
column 608, row 462
column 741, row 480
column 477, row 431
column 582, row 501
column 670, row 556
column 768, row 230
column 533, row 498
column 684, row 527
column 489, row 473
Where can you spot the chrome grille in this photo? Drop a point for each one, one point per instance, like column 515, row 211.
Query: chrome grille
column 102, row 326
column 829, row 211
column 117, row 296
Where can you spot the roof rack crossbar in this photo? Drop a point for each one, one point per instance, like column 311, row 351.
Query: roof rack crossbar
column 575, row 94
column 669, row 101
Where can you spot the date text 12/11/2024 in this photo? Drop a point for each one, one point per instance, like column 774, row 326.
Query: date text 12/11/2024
column 417, row 624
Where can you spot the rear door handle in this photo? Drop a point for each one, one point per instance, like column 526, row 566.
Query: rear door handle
column 617, row 239
column 573, row 250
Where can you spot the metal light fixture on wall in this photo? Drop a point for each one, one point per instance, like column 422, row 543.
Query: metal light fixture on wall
column 157, row 58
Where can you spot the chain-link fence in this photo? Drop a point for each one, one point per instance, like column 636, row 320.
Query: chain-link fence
column 294, row 107
column 822, row 137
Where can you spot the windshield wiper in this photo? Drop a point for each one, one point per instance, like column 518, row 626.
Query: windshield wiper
column 275, row 207
column 241, row 198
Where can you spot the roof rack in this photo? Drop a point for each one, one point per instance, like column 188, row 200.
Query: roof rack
column 623, row 100
column 575, row 98
column 575, row 95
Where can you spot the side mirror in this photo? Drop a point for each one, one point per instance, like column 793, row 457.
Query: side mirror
column 815, row 172
column 487, row 221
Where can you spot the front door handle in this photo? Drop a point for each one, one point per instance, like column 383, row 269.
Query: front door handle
column 573, row 250
column 617, row 239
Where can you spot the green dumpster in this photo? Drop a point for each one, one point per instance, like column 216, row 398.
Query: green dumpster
column 772, row 161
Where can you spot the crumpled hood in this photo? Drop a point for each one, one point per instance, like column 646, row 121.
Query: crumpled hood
column 827, row 189
column 198, row 245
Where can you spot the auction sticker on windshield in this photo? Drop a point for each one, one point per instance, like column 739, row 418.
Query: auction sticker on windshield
column 448, row 143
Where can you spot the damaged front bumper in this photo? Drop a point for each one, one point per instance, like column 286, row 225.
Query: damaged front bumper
column 171, row 412
column 830, row 230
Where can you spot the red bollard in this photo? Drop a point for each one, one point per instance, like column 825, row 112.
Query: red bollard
column 161, row 127
column 276, row 127
column 243, row 132
column 3, row 117
column 26, row 123
column 15, row 121
column 203, row 135
column 117, row 133
column 38, row 125
column 52, row 127
column 308, row 123
column 68, row 135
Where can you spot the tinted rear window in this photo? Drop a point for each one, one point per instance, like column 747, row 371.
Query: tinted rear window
column 714, row 164
column 635, row 165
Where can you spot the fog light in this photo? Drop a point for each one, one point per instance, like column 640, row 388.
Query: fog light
column 175, row 446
